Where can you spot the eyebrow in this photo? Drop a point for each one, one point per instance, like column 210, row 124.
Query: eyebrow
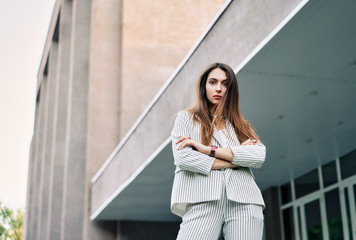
column 217, row 79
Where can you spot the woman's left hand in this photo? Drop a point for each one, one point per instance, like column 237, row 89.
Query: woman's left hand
column 187, row 141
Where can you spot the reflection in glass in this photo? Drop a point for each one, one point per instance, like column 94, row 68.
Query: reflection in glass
column 288, row 223
column 348, row 211
column 313, row 221
column 299, row 222
column 355, row 194
column 286, row 191
column 333, row 212
column 307, row 183
column 348, row 165
column 329, row 173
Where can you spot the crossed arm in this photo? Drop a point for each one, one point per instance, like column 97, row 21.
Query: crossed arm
column 193, row 156
column 223, row 156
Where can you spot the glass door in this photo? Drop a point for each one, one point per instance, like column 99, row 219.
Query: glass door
column 311, row 221
column 334, row 216
column 348, row 208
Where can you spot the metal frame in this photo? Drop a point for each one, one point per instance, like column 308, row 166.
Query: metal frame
column 298, row 205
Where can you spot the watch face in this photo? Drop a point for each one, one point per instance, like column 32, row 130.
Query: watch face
column 212, row 152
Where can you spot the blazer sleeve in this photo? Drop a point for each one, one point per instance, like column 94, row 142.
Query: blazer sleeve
column 187, row 158
column 249, row 155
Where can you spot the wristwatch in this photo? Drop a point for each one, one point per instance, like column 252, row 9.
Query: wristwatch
column 212, row 151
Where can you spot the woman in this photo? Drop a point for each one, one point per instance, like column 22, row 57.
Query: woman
column 214, row 147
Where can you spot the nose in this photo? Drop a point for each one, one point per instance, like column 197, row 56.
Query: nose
column 218, row 87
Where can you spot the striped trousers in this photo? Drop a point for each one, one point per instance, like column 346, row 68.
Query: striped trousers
column 235, row 221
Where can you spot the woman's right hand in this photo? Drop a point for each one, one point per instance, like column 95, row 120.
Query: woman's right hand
column 221, row 164
column 249, row 142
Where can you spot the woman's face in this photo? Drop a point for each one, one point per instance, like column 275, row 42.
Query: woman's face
column 216, row 86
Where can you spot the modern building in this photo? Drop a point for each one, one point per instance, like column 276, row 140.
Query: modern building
column 114, row 74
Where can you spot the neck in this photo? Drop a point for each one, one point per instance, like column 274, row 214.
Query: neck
column 212, row 109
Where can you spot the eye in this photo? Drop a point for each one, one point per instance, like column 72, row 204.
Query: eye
column 225, row 84
column 211, row 82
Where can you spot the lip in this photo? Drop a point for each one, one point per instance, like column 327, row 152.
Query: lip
column 217, row 97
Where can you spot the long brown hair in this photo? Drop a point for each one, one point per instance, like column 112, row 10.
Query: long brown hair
column 227, row 109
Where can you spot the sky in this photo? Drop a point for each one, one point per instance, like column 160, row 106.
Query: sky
column 23, row 31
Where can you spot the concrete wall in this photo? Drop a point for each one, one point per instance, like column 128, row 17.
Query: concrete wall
column 54, row 224
column 147, row 230
column 272, row 213
column 103, row 101
column 156, row 37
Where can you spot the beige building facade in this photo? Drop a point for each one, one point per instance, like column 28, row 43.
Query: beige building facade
column 103, row 62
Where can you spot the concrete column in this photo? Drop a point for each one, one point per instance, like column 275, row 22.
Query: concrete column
column 104, row 95
column 272, row 214
column 29, row 191
column 105, row 81
column 29, row 216
column 76, row 129
column 61, row 95
column 47, row 142
column 38, row 159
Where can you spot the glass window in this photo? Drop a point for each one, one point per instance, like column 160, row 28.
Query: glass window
column 355, row 194
column 348, row 211
column 299, row 222
column 307, row 183
column 348, row 165
column 286, row 191
column 333, row 213
column 288, row 223
column 329, row 173
column 313, row 221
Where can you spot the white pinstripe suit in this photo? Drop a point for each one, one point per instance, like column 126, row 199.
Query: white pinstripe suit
column 194, row 180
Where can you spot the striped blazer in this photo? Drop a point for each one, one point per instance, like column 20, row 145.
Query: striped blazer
column 194, row 181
